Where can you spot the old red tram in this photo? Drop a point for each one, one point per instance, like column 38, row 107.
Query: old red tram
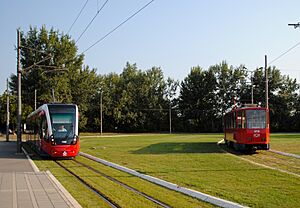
column 247, row 128
column 53, row 130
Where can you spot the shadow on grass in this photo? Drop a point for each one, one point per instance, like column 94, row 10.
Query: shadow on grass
column 237, row 152
column 180, row 147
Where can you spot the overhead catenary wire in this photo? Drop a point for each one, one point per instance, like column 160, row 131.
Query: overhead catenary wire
column 122, row 23
column 98, row 11
column 77, row 16
column 101, row 39
column 284, row 53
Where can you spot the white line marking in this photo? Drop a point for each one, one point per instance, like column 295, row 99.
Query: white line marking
column 33, row 200
column 285, row 153
column 15, row 202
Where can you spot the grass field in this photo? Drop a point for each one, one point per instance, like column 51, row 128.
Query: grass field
column 195, row 161
column 118, row 194
column 286, row 143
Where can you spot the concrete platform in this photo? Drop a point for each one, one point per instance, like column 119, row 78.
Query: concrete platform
column 21, row 187
column 10, row 161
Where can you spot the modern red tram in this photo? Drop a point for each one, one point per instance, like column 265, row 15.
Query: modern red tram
column 247, row 128
column 53, row 130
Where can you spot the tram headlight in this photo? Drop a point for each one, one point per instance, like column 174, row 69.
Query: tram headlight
column 75, row 139
column 52, row 140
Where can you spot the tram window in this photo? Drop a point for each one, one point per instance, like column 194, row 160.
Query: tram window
column 239, row 119
column 243, row 120
column 63, row 124
column 227, row 121
column 44, row 128
column 234, row 120
column 256, row 119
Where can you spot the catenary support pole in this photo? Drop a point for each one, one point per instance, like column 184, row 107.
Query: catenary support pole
column 7, row 112
column 34, row 99
column 252, row 101
column 19, row 102
column 170, row 118
column 101, row 119
column 267, row 87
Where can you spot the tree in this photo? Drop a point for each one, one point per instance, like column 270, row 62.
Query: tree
column 139, row 102
column 296, row 115
column 231, row 82
column 84, row 85
column 197, row 100
column 282, row 97
column 43, row 53
column 50, row 64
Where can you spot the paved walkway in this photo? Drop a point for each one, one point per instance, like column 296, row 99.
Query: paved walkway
column 21, row 187
column 10, row 161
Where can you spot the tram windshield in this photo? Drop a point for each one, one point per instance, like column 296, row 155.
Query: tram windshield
column 62, row 122
column 256, row 119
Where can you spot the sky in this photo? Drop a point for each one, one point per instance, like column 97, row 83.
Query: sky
column 173, row 35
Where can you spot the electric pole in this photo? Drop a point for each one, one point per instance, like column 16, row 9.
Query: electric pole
column 170, row 118
column 19, row 102
column 7, row 112
column 101, row 112
column 34, row 99
column 267, row 87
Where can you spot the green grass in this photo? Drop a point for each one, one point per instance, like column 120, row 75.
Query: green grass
column 172, row 198
column 194, row 161
column 84, row 196
column 117, row 193
column 286, row 143
column 120, row 195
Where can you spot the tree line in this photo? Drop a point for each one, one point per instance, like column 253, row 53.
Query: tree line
column 143, row 100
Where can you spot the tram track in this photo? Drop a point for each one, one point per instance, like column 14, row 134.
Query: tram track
column 268, row 159
column 109, row 201
column 124, row 185
column 99, row 193
column 285, row 153
column 102, row 195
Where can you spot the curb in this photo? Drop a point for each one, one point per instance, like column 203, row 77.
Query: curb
column 196, row 194
column 68, row 197
column 34, row 167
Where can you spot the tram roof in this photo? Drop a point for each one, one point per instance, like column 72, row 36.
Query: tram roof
column 45, row 106
column 246, row 108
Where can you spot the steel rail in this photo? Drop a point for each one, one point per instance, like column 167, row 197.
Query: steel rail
column 101, row 195
column 252, row 161
column 124, row 185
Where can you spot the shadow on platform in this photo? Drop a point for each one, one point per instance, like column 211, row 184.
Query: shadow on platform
column 10, row 160
column 180, row 147
column 9, row 150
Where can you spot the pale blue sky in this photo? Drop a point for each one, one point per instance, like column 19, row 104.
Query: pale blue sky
column 174, row 35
